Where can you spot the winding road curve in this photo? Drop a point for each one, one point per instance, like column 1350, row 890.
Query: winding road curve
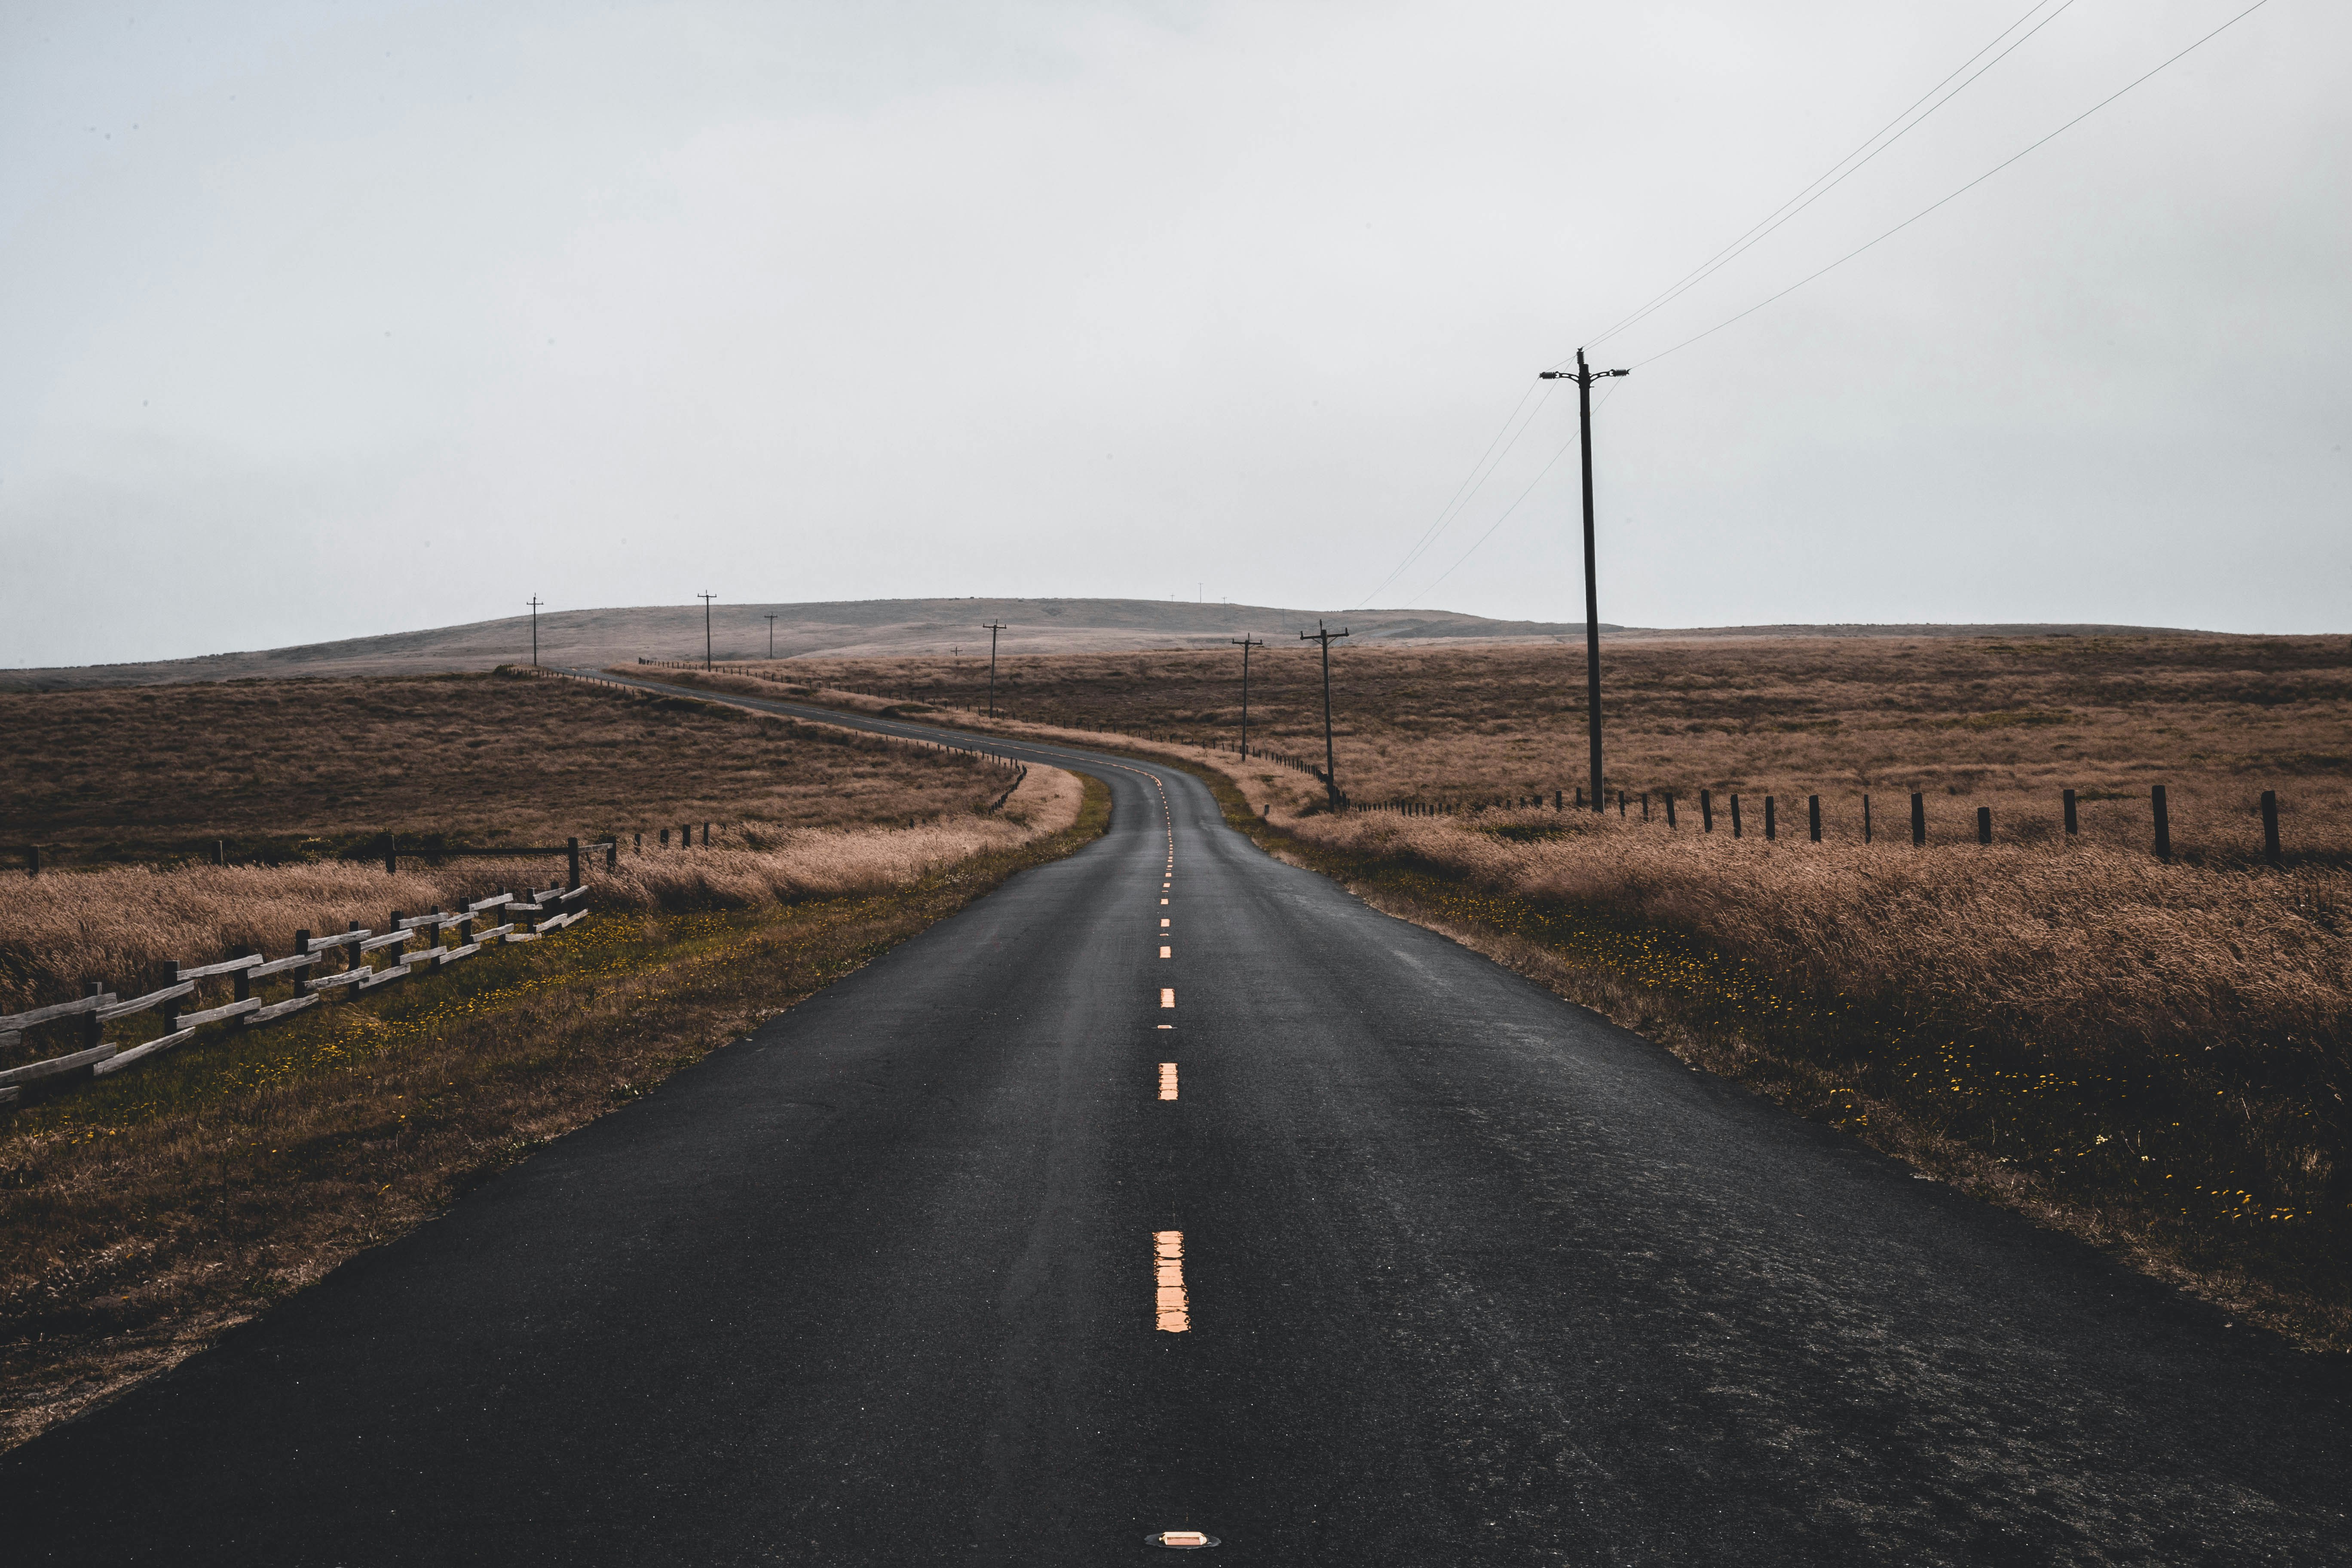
column 1460, row 1275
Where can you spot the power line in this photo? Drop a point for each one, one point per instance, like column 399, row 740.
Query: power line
column 1430, row 587
column 1480, row 472
column 1972, row 184
column 1789, row 209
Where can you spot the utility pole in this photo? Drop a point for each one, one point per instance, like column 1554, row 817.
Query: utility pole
column 706, row 599
column 771, row 640
column 1245, row 642
column 1584, row 379
column 534, row 630
column 1325, row 636
column 994, row 628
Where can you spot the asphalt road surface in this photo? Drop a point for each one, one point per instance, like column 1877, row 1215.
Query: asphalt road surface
column 1419, row 1265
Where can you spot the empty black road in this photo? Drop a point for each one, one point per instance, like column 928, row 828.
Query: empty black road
column 1420, row 1265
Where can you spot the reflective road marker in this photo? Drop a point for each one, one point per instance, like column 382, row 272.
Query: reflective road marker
column 1167, row 1080
column 1174, row 1310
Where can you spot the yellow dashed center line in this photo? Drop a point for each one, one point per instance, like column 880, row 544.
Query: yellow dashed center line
column 1164, row 922
column 1168, row 997
column 1164, row 953
column 1167, row 1080
column 1174, row 1307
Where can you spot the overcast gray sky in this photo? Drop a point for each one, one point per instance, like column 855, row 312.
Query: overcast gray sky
column 325, row 319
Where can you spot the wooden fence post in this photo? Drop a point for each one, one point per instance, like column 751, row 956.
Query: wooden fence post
column 2163, row 824
column 91, row 1027
column 1620, row 802
column 1670, row 809
column 1705, row 811
column 1813, row 815
column 572, row 857
column 1734, row 815
column 2068, row 797
column 1919, row 820
column 1580, row 798
column 1646, row 806
column 1771, row 830
column 1984, row 825
column 171, row 1009
column 33, row 860
column 2270, row 827
column 391, row 857
column 613, row 854
column 1866, row 819
column 665, row 837
column 243, row 983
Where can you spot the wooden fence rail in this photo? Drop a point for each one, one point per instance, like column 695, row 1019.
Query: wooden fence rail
column 90, row 1014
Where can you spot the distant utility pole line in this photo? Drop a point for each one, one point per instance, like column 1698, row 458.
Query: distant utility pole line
column 535, row 603
column 1584, row 379
column 994, row 628
column 771, row 640
column 1325, row 636
column 1245, row 642
column 706, row 599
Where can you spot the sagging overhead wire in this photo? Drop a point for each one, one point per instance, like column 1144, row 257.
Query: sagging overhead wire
column 1838, row 172
column 1480, row 472
column 1568, row 447
column 1964, row 190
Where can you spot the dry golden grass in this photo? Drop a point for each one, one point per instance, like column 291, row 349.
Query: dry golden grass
column 121, row 925
column 795, row 810
column 289, row 769
column 1970, row 722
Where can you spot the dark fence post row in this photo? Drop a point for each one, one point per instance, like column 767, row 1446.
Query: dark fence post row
column 2158, row 802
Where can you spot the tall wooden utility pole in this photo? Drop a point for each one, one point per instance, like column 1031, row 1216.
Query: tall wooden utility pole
column 1584, row 379
column 535, row 602
column 1245, row 642
column 1325, row 636
column 994, row 628
column 706, row 599
column 771, row 640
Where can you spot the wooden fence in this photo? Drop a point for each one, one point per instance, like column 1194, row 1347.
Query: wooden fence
column 318, row 968
column 2159, row 815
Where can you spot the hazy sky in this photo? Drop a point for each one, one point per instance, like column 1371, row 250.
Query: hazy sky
column 325, row 319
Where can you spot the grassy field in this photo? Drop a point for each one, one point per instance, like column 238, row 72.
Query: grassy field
column 140, row 1213
column 2158, row 1058
column 1970, row 722
column 293, row 770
